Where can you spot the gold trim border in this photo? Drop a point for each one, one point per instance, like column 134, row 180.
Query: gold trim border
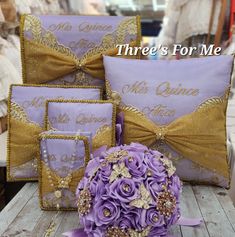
column 139, row 35
column 22, row 49
column 63, row 137
column 114, row 113
column 8, row 166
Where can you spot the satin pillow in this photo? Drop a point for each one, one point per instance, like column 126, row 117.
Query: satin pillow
column 178, row 107
column 95, row 116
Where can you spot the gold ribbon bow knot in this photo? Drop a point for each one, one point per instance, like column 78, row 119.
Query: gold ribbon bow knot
column 45, row 64
column 161, row 132
column 197, row 136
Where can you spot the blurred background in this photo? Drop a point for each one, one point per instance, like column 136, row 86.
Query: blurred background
column 166, row 22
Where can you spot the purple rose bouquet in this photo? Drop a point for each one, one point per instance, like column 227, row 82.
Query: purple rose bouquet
column 129, row 191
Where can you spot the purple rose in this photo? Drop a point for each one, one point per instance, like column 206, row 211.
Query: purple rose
column 151, row 217
column 136, row 147
column 175, row 185
column 158, row 232
column 135, row 164
column 105, row 172
column 124, row 190
column 113, row 149
column 97, row 188
column 153, row 186
column 155, row 168
column 106, row 212
column 92, row 165
column 130, row 219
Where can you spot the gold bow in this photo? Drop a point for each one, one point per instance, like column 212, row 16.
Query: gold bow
column 45, row 64
column 199, row 136
column 23, row 142
column 45, row 59
column 70, row 182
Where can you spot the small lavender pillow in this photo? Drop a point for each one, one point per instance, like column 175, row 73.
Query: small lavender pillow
column 26, row 117
column 178, row 107
column 62, row 162
column 98, row 117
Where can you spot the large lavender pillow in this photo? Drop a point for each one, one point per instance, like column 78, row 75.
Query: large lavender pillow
column 178, row 107
column 26, row 120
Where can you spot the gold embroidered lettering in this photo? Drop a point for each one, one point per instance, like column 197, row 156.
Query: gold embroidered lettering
column 39, row 102
column 139, row 87
column 86, row 119
column 159, row 110
column 165, row 90
column 87, row 27
column 61, row 118
column 81, row 44
column 63, row 26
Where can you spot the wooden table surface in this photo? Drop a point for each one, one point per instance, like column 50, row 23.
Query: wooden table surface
column 22, row 217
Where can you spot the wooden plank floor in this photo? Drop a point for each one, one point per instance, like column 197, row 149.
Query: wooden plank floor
column 22, row 217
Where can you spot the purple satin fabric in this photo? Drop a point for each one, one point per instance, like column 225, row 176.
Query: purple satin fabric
column 182, row 221
column 75, row 233
column 189, row 221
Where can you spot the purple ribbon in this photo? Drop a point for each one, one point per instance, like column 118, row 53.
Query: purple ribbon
column 189, row 221
column 75, row 233
column 182, row 221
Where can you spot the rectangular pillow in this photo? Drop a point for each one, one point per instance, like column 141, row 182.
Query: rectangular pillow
column 62, row 161
column 68, row 49
column 98, row 117
column 178, row 107
column 26, row 122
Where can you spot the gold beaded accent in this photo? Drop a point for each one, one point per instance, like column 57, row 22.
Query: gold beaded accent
column 58, row 194
column 166, row 203
column 155, row 219
column 149, row 173
column 64, row 182
column 160, row 133
column 106, row 212
column 116, row 232
column 126, row 187
column 130, row 159
column 116, row 156
column 84, row 202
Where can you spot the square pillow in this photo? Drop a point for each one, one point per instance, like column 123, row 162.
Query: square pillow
column 62, row 162
column 178, row 107
column 68, row 49
column 26, row 122
column 97, row 117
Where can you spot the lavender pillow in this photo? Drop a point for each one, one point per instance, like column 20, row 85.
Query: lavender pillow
column 97, row 117
column 68, row 49
column 62, row 162
column 177, row 107
column 26, row 120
